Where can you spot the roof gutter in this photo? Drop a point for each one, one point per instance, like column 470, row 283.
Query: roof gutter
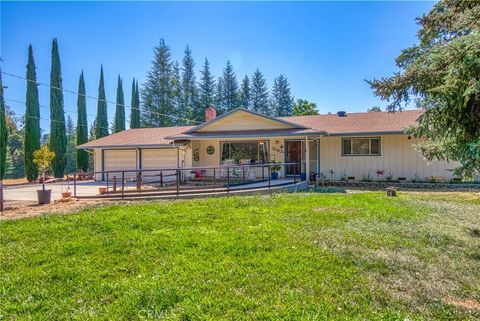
column 166, row 146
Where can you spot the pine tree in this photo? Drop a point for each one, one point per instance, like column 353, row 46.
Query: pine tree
column 177, row 100
column 3, row 132
column 259, row 94
column 32, row 119
column 101, row 129
column 82, row 125
column 207, row 88
column 230, row 89
column 282, row 100
column 135, row 111
column 119, row 122
column 190, row 108
column 218, row 99
column 157, row 94
column 58, row 136
column 244, row 96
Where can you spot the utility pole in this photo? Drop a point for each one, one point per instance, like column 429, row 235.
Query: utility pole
column 1, row 178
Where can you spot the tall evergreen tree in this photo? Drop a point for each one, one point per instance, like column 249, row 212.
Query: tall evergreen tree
column 177, row 98
column 218, row 99
column 137, row 101
column 259, row 94
column 190, row 108
column 3, row 131
column 230, row 89
column 282, row 100
column 101, row 129
column 32, row 119
column 157, row 93
column 119, row 122
column 82, row 125
column 58, row 136
column 244, row 95
column 207, row 88
column 135, row 109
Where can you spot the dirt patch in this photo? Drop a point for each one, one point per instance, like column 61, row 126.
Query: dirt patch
column 21, row 209
column 470, row 304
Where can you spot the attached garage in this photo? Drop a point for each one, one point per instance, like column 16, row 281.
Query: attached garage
column 120, row 159
column 112, row 160
column 159, row 158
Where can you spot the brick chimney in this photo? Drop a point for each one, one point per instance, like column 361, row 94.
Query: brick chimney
column 210, row 113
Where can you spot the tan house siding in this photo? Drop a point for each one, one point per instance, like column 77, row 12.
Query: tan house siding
column 398, row 157
column 243, row 121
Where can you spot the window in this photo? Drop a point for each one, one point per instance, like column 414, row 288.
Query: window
column 250, row 152
column 360, row 146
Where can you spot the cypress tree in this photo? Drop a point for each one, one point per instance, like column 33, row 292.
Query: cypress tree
column 190, row 108
column 58, row 136
column 259, row 94
column 82, row 127
column 3, row 132
column 32, row 119
column 207, row 88
column 102, row 118
column 244, row 96
column 135, row 111
column 282, row 100
column 230, row 88
column 119, row 123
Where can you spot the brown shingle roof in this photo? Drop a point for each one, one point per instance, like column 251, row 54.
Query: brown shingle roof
column 351, row 124
column 358, row 123
column 137, row 137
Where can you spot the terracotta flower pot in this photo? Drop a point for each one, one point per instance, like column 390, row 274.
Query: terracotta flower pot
column 66, row 194
column 102, row 190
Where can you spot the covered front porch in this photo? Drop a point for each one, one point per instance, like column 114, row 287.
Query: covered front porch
column 295, row 156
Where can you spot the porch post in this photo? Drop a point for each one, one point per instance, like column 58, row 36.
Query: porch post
column 307, row 156
column 318, row 156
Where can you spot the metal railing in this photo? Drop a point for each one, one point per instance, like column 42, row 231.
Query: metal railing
column 177, row 181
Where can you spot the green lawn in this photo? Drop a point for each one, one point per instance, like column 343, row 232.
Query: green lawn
column 298, row 256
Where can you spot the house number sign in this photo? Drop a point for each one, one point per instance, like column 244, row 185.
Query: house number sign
column 210, row 150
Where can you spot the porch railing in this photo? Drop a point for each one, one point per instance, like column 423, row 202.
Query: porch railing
column 177, row 181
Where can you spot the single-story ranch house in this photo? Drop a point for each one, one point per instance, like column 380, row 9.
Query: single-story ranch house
column 354, row 145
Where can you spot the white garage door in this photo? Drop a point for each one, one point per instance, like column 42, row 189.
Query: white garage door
column 120, row 160
column 159, row 158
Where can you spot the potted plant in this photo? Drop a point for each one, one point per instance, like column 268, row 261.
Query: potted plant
column 67, row 193
column 43, row 159
column 275, row 170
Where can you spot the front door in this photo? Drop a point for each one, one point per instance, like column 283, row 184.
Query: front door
column 293, row 152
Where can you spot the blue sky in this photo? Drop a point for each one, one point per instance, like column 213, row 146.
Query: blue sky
column 326, row 49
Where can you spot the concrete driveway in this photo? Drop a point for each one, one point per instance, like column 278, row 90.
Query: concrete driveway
column 29, row 192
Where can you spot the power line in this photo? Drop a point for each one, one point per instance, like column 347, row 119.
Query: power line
column 96, row 98
column 47, row 119
column 46, row 107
